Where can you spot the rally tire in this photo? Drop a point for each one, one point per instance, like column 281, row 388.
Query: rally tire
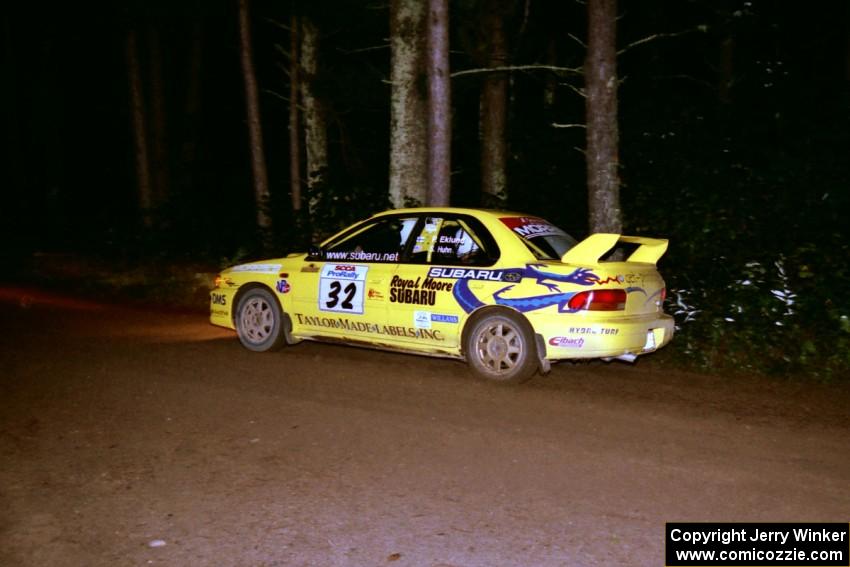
column 499, row 347
column 259, row 321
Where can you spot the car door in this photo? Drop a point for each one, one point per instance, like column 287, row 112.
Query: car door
column 425, row 302
column 346, row 296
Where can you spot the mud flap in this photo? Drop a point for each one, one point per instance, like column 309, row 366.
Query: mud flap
column 544, row 365
column 287, row 330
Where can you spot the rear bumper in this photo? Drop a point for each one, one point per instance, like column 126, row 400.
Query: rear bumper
column 607, row 339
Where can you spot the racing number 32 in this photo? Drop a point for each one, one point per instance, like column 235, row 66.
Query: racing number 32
column 333, row 297
column 341, row 288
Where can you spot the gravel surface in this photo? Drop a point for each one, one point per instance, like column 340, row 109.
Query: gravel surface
column 145, row 437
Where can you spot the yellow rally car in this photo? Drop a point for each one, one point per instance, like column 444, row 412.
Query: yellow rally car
column 506, row 292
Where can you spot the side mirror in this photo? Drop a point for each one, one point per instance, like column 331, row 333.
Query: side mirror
column 314, row 252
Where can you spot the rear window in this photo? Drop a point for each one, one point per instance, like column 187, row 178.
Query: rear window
column 545, row 240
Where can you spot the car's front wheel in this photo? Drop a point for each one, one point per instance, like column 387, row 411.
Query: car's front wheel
column 499, row 346
column 259, row 321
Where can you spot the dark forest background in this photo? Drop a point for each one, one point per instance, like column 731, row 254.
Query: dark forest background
column 734, row 144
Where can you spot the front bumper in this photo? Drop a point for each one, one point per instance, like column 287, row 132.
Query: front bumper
column 221, row 305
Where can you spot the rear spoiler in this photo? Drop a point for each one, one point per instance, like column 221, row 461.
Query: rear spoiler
column 589, row 250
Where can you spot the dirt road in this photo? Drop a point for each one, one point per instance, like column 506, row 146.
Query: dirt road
column 134, row 437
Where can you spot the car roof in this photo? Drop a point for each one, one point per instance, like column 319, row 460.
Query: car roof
column 492, row 213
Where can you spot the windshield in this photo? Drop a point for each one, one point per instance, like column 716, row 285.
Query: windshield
column 545, row 240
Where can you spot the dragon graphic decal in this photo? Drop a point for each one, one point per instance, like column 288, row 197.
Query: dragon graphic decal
column 580, row 276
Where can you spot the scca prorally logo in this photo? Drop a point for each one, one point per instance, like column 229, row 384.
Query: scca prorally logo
column 567, row 342
column 344, row 271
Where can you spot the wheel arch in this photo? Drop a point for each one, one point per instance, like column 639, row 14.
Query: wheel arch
column 287, row 320
column 539, row 341
column 483, row 311
column 245, row 288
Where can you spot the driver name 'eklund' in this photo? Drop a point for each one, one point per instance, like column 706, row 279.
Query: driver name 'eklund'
column 464, row 274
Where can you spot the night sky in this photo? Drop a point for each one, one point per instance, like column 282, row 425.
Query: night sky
column 778, row 134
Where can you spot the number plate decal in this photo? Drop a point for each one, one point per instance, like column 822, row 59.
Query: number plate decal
column 341, row 288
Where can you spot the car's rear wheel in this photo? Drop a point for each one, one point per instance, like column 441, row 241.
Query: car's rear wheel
column 499, row 346
column 259, row 321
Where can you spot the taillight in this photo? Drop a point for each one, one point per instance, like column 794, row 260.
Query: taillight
column 663, row 294
column 599, row 300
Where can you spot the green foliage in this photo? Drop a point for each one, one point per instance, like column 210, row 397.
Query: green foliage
column 411, row 202
column 775, row 317
column 758, row 266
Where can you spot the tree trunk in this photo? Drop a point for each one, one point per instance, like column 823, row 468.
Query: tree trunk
column 294, row 127
column 140, row 137
column 600, row 71
column 315, row 119
column 255, row 132
column 492, row 118
column 440, row 108
column 159, row 140
column 409, row 111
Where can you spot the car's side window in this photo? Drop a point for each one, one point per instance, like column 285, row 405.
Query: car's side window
column 453, row 242
column 381, row 241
